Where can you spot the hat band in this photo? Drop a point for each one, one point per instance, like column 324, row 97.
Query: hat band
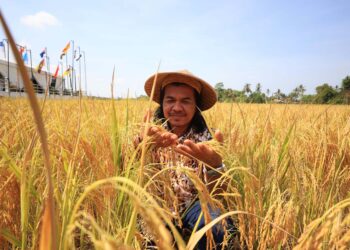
column 182, row 79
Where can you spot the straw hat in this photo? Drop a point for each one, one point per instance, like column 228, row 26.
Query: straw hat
column 207, row 93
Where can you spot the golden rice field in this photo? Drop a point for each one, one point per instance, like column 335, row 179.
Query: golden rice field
column 288, row 176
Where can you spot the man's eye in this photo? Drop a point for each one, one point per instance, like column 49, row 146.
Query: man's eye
column 187, row 102
column 169, row 101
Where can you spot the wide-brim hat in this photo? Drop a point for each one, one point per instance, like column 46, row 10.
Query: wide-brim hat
column 206, row 92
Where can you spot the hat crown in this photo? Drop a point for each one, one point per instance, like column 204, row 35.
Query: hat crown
column 185, row 72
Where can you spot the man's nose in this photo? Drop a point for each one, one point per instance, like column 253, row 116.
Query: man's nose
column 177, row 106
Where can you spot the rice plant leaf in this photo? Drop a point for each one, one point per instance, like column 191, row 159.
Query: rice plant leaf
column 10, row 164
column 284, row 147
column 7, row 235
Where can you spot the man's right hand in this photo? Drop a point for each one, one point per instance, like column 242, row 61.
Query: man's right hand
column 161, row 138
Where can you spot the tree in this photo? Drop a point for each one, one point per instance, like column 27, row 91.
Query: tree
column 346, row 89
column 301, row 90
column 279, row 95
column 258, row 88
column 325, row 93
column 219, row 89
column 308, row 99
column 294, row 95
column 257, row 97
column 247, row 89
column 346, row 83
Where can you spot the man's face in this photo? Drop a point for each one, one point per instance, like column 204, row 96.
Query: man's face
column 179, row 105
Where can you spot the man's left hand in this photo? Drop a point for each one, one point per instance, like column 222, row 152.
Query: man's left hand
column 201, row 151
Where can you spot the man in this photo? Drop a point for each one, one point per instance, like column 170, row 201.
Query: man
column 182, row 96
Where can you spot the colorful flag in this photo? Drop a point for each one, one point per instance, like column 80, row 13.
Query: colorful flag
column 25, row 57
column 2, row 44
column 21, row 50
column 43, row 53
column 56, row 72
column 78, row 57
column 66, row 72
column 65, row 50
column 40, row 66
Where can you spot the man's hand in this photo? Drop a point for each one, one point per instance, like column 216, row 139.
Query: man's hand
column 162, row 138
column 201, row 151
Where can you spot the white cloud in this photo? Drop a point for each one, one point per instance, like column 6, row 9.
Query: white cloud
column 40, row 20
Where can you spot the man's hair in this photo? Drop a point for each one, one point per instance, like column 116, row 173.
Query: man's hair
column 198, row 123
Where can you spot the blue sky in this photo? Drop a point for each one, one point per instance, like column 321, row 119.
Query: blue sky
column 280, row 44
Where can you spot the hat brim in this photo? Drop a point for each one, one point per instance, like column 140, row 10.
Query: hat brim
column 207, row 93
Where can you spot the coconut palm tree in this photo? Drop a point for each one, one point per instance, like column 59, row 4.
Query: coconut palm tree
column 301, row 90
column 258, row 88
column 247, row 89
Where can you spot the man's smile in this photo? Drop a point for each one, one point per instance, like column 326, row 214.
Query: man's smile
column 177, row 115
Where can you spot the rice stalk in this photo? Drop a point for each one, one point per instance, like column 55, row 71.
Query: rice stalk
column 39, row 123
column 136, row 193
column 132, row 224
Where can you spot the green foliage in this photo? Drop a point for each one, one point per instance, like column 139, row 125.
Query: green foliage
column 346, row 89
column 308, row 99
column 346, row 83
column 219, row 89
column 325, row 93
column 257, row 97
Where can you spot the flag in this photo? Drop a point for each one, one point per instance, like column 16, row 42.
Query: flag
column 2, row 44
column 21, row 50
column 56, row 72
column 65, row 50
column 66, row 72
column 43, row 53
column 40, row 66
column 25, row 57
column 78, row 57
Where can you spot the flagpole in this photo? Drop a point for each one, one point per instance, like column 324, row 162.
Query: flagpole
column 85, row 73
column 79, row 57
column 68, row 76
column 3, row 45
column 73, row 78
column 23, row 48
column 48, row 74
column 8, row 66
column 62, row 83
column 46, row 78
column 31, row 63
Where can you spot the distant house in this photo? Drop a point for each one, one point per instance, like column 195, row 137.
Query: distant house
column 40, row 80
column 278, row 101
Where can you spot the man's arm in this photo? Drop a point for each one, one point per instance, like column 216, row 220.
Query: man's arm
column 206, row 154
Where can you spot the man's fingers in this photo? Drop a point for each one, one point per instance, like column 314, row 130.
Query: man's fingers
column 219, row 136
column 185, row 150
column 161, row 138
column 189, row 148
column 169, row 139
column 193, row 146
column 204, row 149
column 148, row 116
column 152, row 130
